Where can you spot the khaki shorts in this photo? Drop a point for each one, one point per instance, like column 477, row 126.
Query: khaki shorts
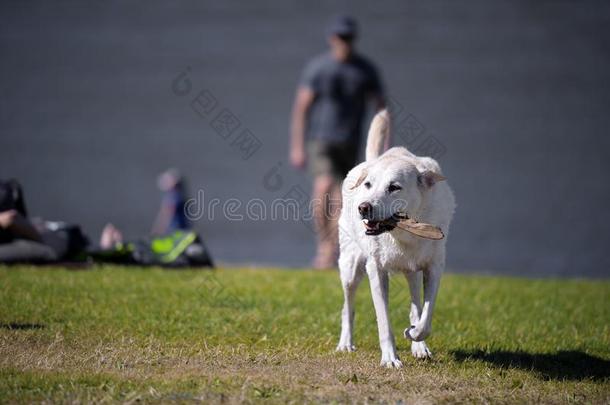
column 331, row 158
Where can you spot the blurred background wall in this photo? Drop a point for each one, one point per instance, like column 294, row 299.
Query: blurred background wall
column 517, row 93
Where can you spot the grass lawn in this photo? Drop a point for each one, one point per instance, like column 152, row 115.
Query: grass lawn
column 234, row 335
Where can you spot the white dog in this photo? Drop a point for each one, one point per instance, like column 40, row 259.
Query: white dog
column 377, row 194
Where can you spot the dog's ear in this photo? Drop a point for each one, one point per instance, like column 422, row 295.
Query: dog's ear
column 358, row 182
column 428, row 178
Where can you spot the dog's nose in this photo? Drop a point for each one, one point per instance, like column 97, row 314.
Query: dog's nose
column 365, row 209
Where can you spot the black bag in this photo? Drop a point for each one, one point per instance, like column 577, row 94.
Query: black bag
column 67, row 240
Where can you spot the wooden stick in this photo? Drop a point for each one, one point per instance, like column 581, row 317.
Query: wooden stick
column 421, row 229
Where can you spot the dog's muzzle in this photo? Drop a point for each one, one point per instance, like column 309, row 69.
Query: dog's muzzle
column 376, row 227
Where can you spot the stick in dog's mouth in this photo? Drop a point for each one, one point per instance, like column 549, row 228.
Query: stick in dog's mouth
column 385, row 225
column 402, row 221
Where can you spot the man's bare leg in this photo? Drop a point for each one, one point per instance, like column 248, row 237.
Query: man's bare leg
column 325, row 191
column 334, row 211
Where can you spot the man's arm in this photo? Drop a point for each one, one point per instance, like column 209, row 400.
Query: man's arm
column 18, row 225
column 166, row 212
column 302, row 102
column 163, row 219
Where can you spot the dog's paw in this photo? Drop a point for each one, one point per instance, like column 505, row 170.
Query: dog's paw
column 396, row 363
column 345, row 348
column 390, row 361
column 416, row 334
column 420, row 350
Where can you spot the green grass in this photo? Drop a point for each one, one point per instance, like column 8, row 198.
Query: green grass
column 127, row 334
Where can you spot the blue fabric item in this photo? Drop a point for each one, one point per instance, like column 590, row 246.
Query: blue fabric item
column 175, row 198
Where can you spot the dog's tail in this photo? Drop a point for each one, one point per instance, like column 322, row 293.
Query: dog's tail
column 378, row 135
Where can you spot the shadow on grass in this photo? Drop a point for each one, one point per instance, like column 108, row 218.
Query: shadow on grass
column 21, row 326
column 563, row 365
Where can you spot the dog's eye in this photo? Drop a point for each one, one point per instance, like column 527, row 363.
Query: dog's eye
column 367, row 184
column 393, row 187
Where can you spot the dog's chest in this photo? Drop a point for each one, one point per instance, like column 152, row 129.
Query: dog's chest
column 394, row 255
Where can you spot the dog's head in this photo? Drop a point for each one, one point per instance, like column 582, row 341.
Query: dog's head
column 390, row 189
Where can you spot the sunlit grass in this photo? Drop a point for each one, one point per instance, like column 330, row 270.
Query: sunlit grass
column 238, row 335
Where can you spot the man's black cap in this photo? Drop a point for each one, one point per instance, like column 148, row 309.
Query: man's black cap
column 343, row 26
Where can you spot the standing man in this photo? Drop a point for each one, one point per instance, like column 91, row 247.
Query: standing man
column 329, row 107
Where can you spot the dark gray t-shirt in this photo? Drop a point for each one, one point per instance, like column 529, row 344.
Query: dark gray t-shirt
column 341, row 90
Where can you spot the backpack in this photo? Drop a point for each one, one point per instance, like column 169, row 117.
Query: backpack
column 177, row 249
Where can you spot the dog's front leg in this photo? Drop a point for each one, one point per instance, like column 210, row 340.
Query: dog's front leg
column 351, row 275
column 423, row 327
column 415, row 280
column 419, row 349
column 378, row 279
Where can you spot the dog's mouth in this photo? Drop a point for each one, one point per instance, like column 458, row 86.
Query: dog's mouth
column 377, row 227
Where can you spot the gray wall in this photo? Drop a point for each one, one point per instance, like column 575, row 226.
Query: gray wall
column 516, row 92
